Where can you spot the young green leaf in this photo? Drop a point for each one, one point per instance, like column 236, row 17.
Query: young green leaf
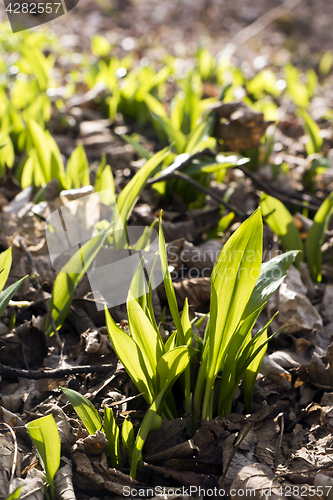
column 280, row 220
column 316, row 236
column 127, row 436
column 77, row 168
column 311, row 128
column 144, row 334
column 85, row 410
column 169, row 367
column 111, row 430
column 5, row 265
column 172, row 133
column 251, row 372
column 66, row 283
column 15, row 495
column 104, row 182
column 170, row 292
column 144, row 153
column 271, row 276
column 131, row 357
column 233, row 279
column 40, row 143
column 127, row 198
column 6, row 295
column 45, row 436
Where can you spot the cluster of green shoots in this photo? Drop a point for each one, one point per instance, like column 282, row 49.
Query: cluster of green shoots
column 240, row 288
column 280, row 220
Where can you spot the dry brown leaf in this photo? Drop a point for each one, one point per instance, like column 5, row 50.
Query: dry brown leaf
column 24, row 345
column 63, row 482
column 294, row 307
column 256, row 481
column 238, row 126
column 320, row 370
column 197, row 290
column 170, row 434
column 271, row 369
column 91, row 445
column 95, row 474
column 32, row 486
column 328, row 302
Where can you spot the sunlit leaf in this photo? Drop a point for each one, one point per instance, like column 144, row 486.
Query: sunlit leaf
column 313, row 131
column 85, row 410
column 316, row 236
column 45, row 436
column 111, row 430
column 280, row 220
column 131, row 357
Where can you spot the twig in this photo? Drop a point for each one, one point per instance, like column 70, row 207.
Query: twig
column 172, row 172
column 181, row 161
column 271, row 191
column 39, row 284
column 9, row 372
column 186, row 178
column 258, row 25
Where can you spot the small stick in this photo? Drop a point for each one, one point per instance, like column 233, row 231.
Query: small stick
column 181, row 162
column 9, row 372
column 186, row 178
column 271, row 191
column 258, row 25
column 39, row 284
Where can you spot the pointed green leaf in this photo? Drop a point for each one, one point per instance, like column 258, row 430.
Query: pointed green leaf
column 271, row 276
column 85, row 410
column 15, row 495
column 233, row 279
column 127, row 198
column 6, row 295
column 144, row 153
column 170, row 292
column 131, row 357
column 311, row 128
column 280, row 220
column 169, row 367
column 144, row 334
column 173, row 134
column 77, row 168
column 127, row 436
column 40, row 143
column 66, row 283
column 111, row 430
column 251, row 372
column 5, row 265
column 45, row 436
column 316, row 236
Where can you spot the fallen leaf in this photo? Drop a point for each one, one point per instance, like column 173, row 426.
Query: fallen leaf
column 256, row 481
